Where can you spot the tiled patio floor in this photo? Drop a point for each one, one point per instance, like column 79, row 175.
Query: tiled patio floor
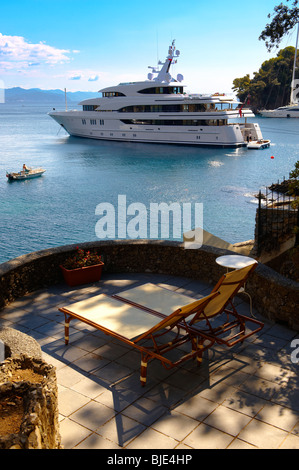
column 240, row 398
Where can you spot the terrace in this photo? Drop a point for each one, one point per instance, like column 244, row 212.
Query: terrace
column 245, row 397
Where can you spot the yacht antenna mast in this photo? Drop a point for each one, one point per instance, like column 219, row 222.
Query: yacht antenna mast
column 163, row 74
column 293, row 87
column 65, row 99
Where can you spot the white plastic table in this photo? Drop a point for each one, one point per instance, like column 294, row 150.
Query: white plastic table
column 237, row 262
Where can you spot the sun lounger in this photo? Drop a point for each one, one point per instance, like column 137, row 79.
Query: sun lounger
column 142, row 329
column 142, row 316
column 219, row 320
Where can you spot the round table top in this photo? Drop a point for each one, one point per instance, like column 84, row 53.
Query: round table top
column 235, row 261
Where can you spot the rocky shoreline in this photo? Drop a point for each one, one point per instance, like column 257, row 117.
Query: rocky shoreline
column 283, row 188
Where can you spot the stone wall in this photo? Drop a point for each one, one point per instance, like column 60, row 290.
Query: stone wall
column 16, row 342
column 31, row 383
column 274, row 296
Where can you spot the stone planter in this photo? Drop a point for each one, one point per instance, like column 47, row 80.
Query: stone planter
column 28, row 404
column 85, row 275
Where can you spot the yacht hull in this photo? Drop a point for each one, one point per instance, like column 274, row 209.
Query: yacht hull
column 206, row 136
column 280, row 115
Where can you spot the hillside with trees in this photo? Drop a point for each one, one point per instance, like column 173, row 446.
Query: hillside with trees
column 270, row 87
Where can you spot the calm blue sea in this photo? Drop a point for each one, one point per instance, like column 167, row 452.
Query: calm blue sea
column 59, row 208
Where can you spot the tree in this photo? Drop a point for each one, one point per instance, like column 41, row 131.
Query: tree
column 284, row 19
column 270, row 86
column 241, row 85
column 294, row 184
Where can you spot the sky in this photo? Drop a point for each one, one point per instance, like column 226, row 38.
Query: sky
column 87, row 45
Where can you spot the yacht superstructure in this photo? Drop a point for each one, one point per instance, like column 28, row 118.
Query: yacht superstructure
column 158, row 110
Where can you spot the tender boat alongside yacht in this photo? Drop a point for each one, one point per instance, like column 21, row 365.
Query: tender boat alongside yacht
column 259, row 144
column 159, row 110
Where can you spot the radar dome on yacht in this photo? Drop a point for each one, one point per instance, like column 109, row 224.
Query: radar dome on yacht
column 150, row 76
column 177, row 53
column 180, row 77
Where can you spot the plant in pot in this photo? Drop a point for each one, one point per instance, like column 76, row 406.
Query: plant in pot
column 82, row 268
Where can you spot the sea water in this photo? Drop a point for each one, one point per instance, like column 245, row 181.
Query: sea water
column 59, row 208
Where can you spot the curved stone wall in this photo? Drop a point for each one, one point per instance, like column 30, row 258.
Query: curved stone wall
column 274, row 296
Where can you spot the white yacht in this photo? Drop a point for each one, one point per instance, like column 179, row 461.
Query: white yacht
column 158, row 110
column 290, row 111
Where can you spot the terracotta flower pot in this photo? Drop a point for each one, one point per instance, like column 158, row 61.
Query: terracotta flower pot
column 85, row 275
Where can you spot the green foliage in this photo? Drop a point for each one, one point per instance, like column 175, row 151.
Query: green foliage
column 295, row 173
column 294, row 191
column 82, row 259
column 283, row 20
column 241, row 85
column 294, row 185
column 271, row 85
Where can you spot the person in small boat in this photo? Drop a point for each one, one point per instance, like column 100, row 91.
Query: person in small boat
column 25, row 168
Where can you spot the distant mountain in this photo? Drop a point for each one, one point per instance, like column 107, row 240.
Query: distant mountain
column 51, row 97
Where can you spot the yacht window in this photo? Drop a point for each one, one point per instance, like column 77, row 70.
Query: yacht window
column 110, row 94
column 164, row 108
column 166, row 90
column 177, row 122
column 195, row 108
column 93, row 122
column 89, row 107
column 177, row 90
column 223, row 106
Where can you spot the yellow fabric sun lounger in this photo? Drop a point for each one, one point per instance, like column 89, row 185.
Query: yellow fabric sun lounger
column 134, row 326
column 222, row 323
column 148, row 312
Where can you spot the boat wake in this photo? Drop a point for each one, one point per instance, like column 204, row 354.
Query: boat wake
column 240, row 192
column 215, row 163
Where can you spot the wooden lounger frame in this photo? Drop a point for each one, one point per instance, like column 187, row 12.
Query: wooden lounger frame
column 188, row 320
column 228, row 286
column 164, row 325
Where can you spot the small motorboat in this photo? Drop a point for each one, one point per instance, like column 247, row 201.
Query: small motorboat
column 259, row 144
column 25, row 174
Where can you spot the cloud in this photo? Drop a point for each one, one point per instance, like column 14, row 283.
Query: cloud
column 88, row 75
column 93, row 78
column 75, row 77
column 17, row 53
